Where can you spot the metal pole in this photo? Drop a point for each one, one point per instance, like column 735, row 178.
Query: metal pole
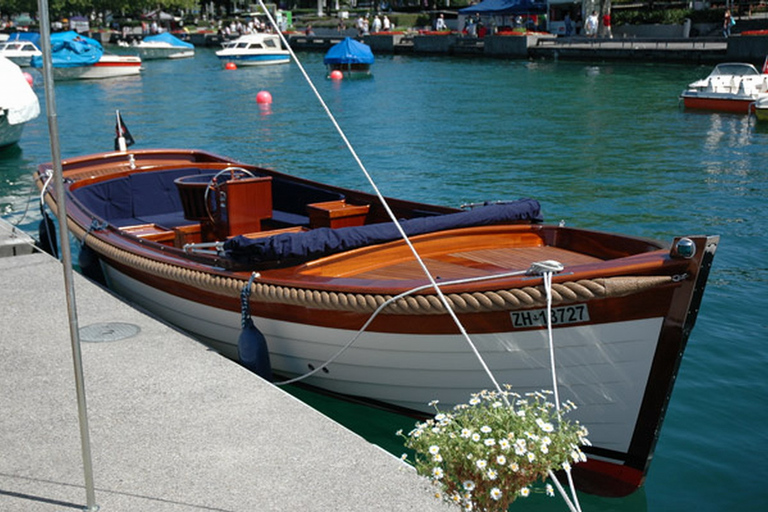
column 66, row 253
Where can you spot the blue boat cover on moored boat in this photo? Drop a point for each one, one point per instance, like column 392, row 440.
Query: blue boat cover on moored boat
column 70, row 49
column 294, row 248
column 349, row 51
column 167, row 37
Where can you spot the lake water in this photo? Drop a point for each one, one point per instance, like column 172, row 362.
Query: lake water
column 600, row 145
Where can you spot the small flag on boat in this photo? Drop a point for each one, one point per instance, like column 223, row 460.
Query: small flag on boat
column 123, row 137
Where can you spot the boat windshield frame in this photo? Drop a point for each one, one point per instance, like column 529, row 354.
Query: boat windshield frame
column 734, row 69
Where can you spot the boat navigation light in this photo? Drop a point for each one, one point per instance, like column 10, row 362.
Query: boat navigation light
column 684, row 248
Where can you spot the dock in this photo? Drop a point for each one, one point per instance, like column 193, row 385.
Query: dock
column 174, row 426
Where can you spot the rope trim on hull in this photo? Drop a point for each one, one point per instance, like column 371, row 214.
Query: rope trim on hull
column 476, row 302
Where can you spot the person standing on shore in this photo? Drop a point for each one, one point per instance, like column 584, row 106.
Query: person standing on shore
column 728, row 22
column 607, row 25
column 590, row 27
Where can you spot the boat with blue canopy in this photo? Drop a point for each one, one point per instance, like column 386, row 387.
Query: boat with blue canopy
column 164, row 46
column 351, row 57
column 75, row 56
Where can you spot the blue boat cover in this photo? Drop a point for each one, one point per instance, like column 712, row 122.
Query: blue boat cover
column 70, row 49
column 501, row 7
column 167, row 37
column 294, row 248
column 349, row 51
column 32, row 37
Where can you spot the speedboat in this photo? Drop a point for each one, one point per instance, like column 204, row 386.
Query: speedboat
column 164, row 46
column 350, row 57
column 296, row 278
column 257, row 49
column 76, row 57
column 730, row 87
column 18, row 103
column 20, row 47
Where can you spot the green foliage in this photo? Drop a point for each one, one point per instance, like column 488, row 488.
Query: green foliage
column 485, row 454
column 665, row 16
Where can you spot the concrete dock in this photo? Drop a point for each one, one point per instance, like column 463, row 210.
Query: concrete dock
column 173, row 426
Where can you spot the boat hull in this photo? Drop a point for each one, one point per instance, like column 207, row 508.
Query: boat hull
column 252, row 59
column 108, row 66
column 733, row 104
column 164, row 52
column 9, row 133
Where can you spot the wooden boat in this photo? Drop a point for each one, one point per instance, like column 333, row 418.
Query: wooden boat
column 181, row 233
column 730, row 87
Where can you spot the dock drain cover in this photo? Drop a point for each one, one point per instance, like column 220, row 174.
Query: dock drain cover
column 109, row 331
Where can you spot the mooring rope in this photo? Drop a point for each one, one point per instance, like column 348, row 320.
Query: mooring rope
column 386, row 206
column 547, row 270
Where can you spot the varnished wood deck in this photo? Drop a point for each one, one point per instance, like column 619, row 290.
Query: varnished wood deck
column 474, row 263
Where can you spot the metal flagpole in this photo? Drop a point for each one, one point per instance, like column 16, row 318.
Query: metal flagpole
column 66, row 253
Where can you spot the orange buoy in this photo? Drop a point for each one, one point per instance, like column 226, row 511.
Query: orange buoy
column 29, row 79
column 336, row 75
column 230, row 65
column 264, row 98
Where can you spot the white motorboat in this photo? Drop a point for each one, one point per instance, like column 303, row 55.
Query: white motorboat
column 18, row 103
column 20, row 48
column 164, row 46
column 730, row 87
column 254, row 50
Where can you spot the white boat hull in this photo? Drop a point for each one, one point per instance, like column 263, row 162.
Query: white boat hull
column 109, row 66
column 9, row 133
column 251, row 59
column 599, row 366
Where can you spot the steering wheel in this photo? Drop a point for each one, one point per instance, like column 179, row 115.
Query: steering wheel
column 216, row 182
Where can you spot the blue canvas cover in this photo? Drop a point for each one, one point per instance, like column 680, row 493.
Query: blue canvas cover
column 32, row 37
column 349, row 51
column 503, row 7
column 294, row 248
column 70, row 49
column 167, row 37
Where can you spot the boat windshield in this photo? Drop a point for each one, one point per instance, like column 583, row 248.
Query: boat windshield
column 736, row 69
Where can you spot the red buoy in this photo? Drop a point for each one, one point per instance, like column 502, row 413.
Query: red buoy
column 336, row 75
column 264, row 98
column 29, row 79
column 230, row 65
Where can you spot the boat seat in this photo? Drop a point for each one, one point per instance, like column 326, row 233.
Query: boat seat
column 290, row 200
column 157, row 200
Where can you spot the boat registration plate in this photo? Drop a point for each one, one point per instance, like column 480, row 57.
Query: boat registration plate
column 562, row 315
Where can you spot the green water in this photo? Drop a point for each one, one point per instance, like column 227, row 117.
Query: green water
column 600, row 145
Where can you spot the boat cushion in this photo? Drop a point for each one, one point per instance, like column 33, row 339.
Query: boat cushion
column 110, row 200
column 294, row 248
column 156, row 198
column 141, row 198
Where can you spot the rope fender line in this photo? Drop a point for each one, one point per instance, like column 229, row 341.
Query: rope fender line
column 475, row 302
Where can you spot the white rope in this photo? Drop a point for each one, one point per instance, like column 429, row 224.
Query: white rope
column 547, row 269
column 433, row 283
column 384, row 203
